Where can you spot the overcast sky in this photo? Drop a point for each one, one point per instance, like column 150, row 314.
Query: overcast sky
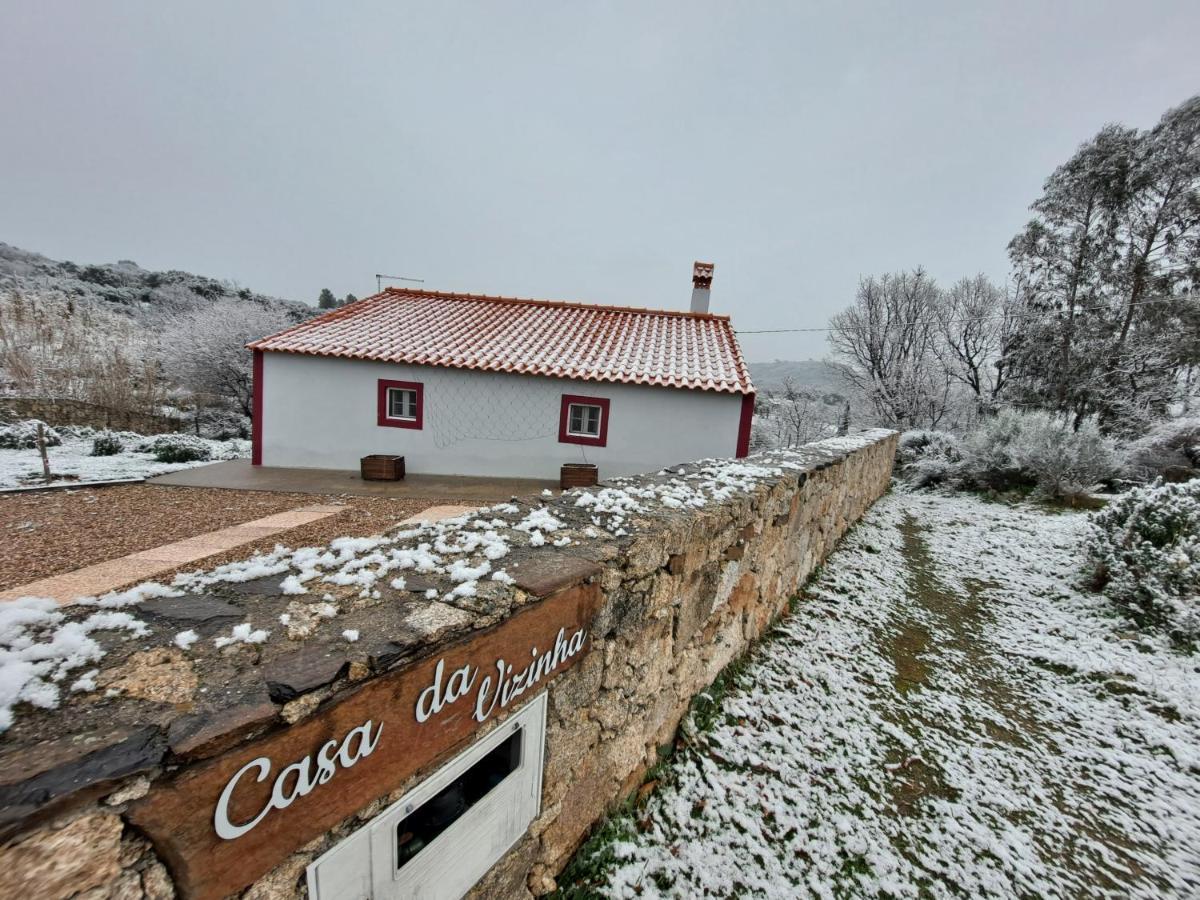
column 564, row 150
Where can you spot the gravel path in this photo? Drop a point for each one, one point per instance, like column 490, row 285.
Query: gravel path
column 945, row 714
column 53, row 532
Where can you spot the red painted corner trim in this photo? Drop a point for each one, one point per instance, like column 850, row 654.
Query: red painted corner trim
column 256, row 410
column 564, row 421
column 381, row 405
column 747, row 419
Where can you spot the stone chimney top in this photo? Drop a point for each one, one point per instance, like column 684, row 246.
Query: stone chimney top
column 702, row 276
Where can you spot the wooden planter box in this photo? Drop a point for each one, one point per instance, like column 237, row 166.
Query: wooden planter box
column 381, row 467
column 578, row 475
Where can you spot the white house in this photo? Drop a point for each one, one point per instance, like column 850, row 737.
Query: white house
column 462, row 384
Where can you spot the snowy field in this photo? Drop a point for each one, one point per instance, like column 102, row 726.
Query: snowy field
column 73, row 457
column 944, row 715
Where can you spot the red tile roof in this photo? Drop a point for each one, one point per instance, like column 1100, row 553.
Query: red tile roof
column 531, row 337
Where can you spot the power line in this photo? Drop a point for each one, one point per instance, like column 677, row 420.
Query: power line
column 940, row 321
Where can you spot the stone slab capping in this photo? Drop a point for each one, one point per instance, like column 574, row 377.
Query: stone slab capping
column 125, row 791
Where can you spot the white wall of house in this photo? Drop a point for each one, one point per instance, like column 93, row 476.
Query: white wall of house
column 320, row 412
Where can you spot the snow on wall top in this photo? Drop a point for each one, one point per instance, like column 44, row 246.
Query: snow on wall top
column 529, row 337
column 49, row 652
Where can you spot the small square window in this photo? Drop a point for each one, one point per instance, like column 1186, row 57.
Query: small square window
column 583, row 420
column 400, row 404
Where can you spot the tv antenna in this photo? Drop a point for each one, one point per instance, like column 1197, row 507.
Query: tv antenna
column 379, row 280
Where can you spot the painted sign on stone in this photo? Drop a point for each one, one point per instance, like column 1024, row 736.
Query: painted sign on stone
column 222, row 824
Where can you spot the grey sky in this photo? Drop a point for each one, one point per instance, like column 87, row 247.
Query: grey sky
column 577, row 151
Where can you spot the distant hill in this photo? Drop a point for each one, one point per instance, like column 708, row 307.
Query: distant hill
column 150, row 298
column 812, row 374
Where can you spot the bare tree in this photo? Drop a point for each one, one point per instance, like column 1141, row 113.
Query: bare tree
column 976, row 324
column 206, row 348
column 886, row 343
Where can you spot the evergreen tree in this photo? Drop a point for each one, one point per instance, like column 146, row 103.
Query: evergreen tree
column 1063, row 260
column 326, row 300
column 350, row 298
column 1108, row 272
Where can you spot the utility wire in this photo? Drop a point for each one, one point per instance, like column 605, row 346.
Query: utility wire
column 952, row 319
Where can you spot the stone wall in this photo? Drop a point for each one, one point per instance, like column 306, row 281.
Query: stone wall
column 77, row 412
column 682, row 602
column 681, row 589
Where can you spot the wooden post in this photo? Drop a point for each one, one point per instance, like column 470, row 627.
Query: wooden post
column 41, row 442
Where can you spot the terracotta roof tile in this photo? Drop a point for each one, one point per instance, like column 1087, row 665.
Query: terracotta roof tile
column 531, row 337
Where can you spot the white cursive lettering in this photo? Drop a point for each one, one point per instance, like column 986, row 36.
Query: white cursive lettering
column 358, row 744
column 225, row 828
column 510, row 684
column 431, row 702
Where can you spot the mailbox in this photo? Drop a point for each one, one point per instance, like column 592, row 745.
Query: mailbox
column 441, row 837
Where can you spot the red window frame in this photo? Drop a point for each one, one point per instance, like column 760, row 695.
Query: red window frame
column 256, row 425
column 388, row 421
column 564, row 421
column 745, row 423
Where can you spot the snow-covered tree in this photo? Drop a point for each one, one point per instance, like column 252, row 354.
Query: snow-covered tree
column 206, row 348
column 1108, row 272
column 885, row 344
column 1063, row 260
column 976, row 324
column 1160, row 220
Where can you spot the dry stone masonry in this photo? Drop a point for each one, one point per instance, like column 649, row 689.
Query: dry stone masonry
column 77, row 412
column 292, row 698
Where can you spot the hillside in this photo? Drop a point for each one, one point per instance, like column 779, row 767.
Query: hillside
column 118, row 338
column 813, row 374
column 148, row 297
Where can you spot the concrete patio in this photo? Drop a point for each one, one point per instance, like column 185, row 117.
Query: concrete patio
column 239, row 474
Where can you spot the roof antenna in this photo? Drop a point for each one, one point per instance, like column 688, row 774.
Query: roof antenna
column 379, row 280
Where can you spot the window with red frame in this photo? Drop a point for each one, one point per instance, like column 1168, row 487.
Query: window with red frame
column 401, row 404
column 583, row 420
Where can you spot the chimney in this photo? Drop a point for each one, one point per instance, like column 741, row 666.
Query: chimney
column 702, row 276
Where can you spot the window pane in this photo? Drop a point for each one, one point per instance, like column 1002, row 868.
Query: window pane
column 402, row 403
column 584, row 419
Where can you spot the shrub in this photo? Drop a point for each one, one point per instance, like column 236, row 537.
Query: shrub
column 177, row 448
column 988, row 457
column 927, row 458
column 1145, row 547
column 75, row 431
column 222, row 424
column 23, row 435
column 107, row 444
column 153, row 442
column 1065, row 461
column 1170, row 449
column 1015, row 448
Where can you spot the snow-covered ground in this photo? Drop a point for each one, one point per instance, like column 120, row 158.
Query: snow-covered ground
column 73, row 457
column 946, row 714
